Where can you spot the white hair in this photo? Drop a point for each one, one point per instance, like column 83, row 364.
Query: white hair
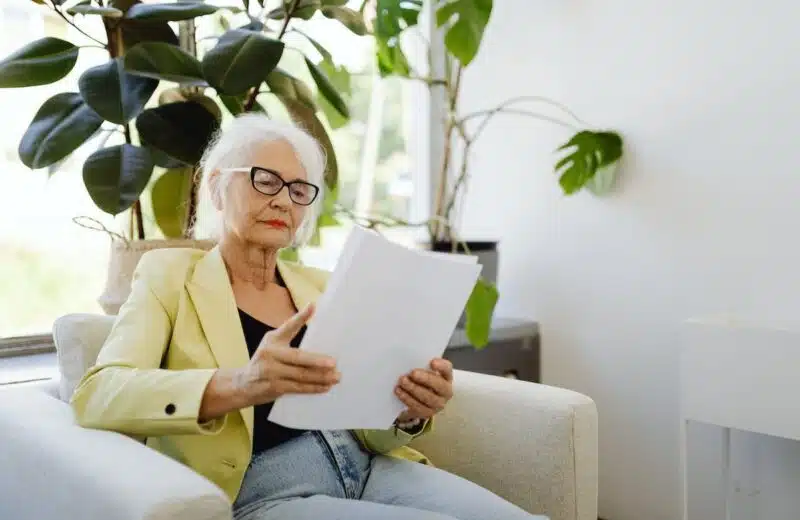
column 233, row 147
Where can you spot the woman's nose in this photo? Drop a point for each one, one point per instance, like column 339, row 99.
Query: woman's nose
column 282, row 198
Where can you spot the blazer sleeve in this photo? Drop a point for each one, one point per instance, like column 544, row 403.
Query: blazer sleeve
column 384, row 441
column 126, row 391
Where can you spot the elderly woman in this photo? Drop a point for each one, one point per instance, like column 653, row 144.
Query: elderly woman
column 207, row 341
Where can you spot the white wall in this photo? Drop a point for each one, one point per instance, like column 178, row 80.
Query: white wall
column 705, row 219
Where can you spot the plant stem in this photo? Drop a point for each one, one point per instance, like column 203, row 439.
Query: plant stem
column 289, row 11
column 136, row 209
column 442, row 201
column 70, row 22
column 363, row 6
column 520, row 99
column 191, row 213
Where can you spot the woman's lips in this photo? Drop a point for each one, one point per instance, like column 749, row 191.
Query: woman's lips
column 279, row 224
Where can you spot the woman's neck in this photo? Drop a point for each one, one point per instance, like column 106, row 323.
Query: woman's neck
column 249, row 263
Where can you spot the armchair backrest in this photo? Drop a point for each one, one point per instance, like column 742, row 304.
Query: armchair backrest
column 78, row 339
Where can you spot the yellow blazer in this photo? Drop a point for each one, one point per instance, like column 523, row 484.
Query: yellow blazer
column 178, row 326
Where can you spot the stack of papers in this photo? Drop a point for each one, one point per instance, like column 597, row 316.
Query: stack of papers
column 386, row 310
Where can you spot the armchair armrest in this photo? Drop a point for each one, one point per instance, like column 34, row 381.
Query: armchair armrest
column 53, row 468
column 534, row 445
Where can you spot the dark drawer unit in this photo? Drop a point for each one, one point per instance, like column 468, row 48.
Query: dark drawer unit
column 513, row 351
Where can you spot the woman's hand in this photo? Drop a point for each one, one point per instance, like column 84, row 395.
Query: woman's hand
column 277, row 368
column 426, row 391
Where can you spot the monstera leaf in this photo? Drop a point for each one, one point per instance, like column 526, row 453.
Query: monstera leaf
column 589, row 152
column 392, row 18
column 480, row 308
column 464, row 22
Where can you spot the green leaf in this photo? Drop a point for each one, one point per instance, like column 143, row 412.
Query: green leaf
column 327, row 89
column 286, row 86
column 391, row 59
column 108, row 12
column 304, row 10
column 160, row 158
column 465, row 21
column 392, row 17
column 137, row 31
column 114, row 94
column 172, row 12
column 169, row 197
column 60, row 126
column 164, row 61
column 340, row 78
column 590, row 152
column 241, row 60
column 305, row 117
column 116, row 176
column 134, row 32
column 326, row 55
column 234, row 104
column 603, row 181
column 480, row 308
column 329, row 3
column 289, row 254
column 181, row 130
column 40, row 62
column 350, row 18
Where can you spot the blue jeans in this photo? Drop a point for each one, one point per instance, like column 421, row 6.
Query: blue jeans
column 328, row 476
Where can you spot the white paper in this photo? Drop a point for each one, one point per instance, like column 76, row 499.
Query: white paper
column 387, row 310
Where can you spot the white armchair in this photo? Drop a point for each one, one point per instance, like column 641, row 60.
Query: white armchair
column 532, row 444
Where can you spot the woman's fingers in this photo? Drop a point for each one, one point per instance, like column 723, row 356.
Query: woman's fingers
column 434, row 381
column 415, row 407
column 323, row 376
column 424, row 395
column 444, row 367
column 302, row 358
column 285, row 386
column 292, row 326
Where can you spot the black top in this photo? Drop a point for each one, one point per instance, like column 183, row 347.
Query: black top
column 266, row 434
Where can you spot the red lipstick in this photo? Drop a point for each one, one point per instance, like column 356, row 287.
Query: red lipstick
column 275, row 223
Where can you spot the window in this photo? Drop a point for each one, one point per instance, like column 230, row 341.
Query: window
column 49, row 266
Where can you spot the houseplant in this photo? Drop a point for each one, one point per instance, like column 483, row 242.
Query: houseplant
column 589, row 157
column 168, row 135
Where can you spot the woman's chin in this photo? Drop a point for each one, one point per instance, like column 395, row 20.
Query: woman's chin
column 272, row 238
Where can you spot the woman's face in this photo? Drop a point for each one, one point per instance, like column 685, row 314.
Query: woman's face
column 269, row 221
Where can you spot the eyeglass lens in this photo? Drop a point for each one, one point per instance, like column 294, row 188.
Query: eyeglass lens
column 270, row 183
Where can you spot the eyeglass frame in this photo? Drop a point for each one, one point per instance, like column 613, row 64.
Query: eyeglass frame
column 254, row 169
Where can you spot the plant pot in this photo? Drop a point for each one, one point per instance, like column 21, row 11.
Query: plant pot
column 122, row 263
column 488, row 258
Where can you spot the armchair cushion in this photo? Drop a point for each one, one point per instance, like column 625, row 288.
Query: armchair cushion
column 534, row 445
column 78, row 339
column 54, row 469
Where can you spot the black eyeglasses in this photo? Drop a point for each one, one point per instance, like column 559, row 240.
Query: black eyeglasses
column 269, row 182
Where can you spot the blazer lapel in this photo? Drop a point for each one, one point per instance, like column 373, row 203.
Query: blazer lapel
column 212, row 296
column 300, row 287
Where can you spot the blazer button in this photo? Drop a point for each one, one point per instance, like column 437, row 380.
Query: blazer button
column 170, row 409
